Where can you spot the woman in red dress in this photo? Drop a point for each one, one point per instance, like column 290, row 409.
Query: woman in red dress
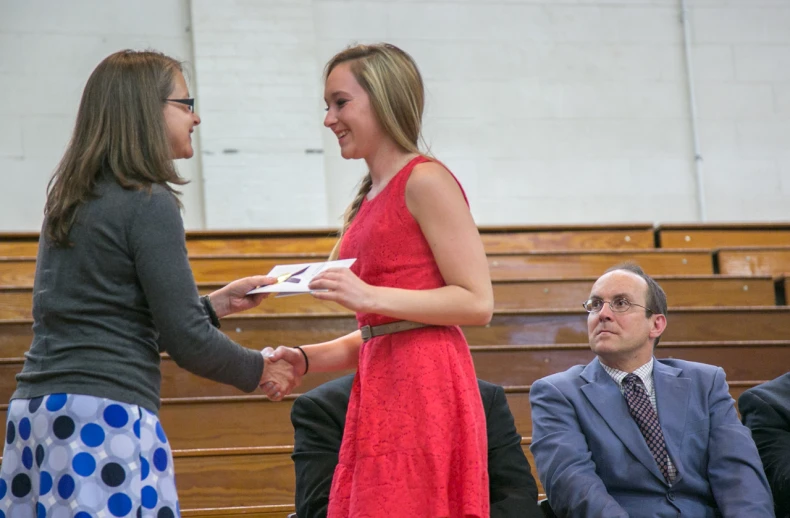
column 414, row 442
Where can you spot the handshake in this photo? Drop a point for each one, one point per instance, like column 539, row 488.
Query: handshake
column 283, row 369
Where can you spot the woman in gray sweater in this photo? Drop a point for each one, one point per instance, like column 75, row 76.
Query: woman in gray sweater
column 114, row 289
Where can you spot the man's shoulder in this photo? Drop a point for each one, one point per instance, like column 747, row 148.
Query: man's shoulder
column 327, row 401
column 487, row 389
column 776, row 390
column 566, row 380
column 685, row 368
column 331, row 390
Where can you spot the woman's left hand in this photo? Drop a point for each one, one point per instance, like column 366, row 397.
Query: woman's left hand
column 233, row 298
column 344, row 287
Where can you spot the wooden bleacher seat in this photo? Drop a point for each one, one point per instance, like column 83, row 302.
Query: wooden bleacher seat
column 510, row 266
column 251, row 511
column 211, row 478
column 505, row 365
column 521, row 327
column 682, row 291
column 320, row 241
column 230, row 477
column 495, row 239
column 18, row 244
column 523, row 365
column 567, row 237
column 17, row 271
column 754, row 260
column 716, row 235
column 20, row 271
column 547, row 265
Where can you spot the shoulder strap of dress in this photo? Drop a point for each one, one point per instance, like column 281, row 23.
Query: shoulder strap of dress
column 399, row 180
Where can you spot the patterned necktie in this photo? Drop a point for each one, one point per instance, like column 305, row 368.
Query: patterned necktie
column 646, row 418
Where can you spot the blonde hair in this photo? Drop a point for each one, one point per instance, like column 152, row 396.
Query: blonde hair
column 393, row 82
column 121, row 130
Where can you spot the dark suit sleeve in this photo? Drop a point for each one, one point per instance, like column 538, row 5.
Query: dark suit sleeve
column 317, row 439
column 512, row 487
column 771, row 433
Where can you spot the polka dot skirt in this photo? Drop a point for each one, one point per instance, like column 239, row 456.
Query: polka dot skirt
column 81, row 456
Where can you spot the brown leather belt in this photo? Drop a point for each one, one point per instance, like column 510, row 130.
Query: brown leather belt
column 369, row 332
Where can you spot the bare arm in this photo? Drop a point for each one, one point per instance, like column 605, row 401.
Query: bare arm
column 338, row 354
column 435, row 200
column 335, row 355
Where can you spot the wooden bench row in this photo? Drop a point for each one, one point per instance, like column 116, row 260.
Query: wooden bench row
column 248, row 511
column 246, row 476
column 504, row 365
column 321, row 241
column 691, row 291
column 496, row 239
column 717, row 235
column 20, row 271
column 523, row 327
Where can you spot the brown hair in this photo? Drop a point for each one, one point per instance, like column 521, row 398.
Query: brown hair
column 655, row 299
column 392, row 80
column 120, row 129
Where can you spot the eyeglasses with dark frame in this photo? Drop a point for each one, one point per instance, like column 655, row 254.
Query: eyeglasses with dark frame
column 618, row 305
column 188, row 102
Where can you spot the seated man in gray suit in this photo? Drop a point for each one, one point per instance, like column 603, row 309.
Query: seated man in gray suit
column 765, row 409
column 319, row 417
column 631, row 436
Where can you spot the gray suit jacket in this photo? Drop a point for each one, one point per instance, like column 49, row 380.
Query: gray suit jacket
column 594, row 462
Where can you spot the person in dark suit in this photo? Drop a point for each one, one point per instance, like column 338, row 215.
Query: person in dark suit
column 319, row 416
column 765, row 409
column 632, row 436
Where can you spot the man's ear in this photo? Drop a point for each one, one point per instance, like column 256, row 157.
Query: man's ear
column 659, row 324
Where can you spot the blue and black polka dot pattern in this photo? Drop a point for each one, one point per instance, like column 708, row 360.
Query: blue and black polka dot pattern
column 85, row 457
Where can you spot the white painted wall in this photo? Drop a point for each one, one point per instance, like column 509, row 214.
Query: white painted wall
column 48, row 49
column 258, row 85
column 548, row 111
column 742, row 50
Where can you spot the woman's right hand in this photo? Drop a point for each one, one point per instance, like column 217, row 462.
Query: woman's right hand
column 292, row 356
column 279, row 377
column 344, row 287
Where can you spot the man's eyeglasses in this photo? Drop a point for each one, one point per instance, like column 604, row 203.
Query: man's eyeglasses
column 619, row 305
column 188, row 102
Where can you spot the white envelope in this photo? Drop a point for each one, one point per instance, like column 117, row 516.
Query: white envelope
column 301, row 275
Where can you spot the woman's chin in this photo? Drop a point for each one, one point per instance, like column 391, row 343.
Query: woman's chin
column 184, row 153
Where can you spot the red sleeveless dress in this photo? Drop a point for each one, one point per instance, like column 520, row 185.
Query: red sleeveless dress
column 415, row 441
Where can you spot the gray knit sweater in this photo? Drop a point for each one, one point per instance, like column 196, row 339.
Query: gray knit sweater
column 106, row 307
